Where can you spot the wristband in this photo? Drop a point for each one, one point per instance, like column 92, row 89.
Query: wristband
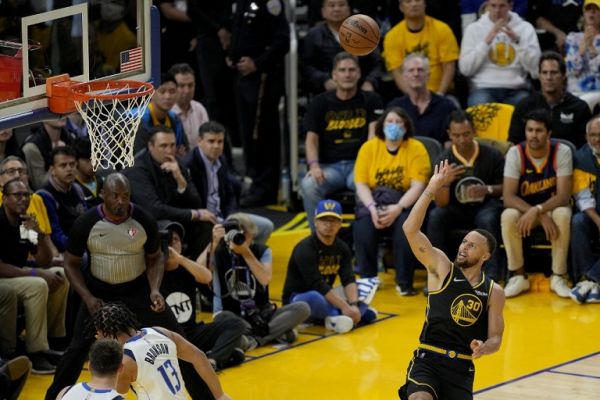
column 311, row 162
column 371, row 204
column 540, row 208
column 33, row 273
column 353, row 303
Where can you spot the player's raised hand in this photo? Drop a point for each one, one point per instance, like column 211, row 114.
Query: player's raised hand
column 442, row 175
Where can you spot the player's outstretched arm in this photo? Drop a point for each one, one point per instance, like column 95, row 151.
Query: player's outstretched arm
column 428, row 255
column 190, row 353
column 495, row 325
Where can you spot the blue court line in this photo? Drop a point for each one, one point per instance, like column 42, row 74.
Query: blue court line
column 535, row 373
column 316, row 339
column 574, row 374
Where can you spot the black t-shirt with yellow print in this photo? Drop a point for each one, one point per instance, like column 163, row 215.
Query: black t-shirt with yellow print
column 342, row 125
column 315, row 266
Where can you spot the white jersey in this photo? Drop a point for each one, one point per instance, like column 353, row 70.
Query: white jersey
column 83, row 391
column 158, row 374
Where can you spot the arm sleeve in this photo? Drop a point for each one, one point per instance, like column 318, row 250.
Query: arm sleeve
column 58, row 236
column 564, row 161
column 393, row 49
column 528, row 51
column 473, row 51
column 314, row 118
column 267, row 256
column 80, row 232
column 448, row 45
column 362, row 163
column 375, row 106
column 512, row 165
column 582, row 181
column 573, row 59
column 420, row 165
column 346, row 273
column 152, row 237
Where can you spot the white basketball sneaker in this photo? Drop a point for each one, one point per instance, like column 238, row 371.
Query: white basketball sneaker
column 559, row 285
column 516, row 285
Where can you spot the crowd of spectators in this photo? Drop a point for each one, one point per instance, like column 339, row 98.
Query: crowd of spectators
column 363, row 129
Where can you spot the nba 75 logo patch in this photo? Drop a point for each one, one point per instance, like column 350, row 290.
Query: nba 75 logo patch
column 132, row 232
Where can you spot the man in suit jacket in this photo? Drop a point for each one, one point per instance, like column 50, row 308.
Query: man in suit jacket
column 210, row 175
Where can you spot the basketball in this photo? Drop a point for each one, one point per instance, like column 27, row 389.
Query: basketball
column 359, row 34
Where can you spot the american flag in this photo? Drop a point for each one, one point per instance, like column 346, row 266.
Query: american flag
column 131, row 59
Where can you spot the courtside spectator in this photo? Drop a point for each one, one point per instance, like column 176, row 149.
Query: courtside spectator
column 536, row 190
column 569, row 114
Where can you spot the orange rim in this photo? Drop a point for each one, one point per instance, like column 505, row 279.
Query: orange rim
column 84, row 92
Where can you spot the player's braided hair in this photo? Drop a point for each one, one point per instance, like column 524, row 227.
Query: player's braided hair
column 114, row 318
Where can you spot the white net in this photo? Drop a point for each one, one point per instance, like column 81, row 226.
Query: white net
column 112, row 122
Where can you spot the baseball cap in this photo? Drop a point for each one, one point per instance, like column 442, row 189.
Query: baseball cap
column 168, row 225
column 594, row 2
column 328, row 207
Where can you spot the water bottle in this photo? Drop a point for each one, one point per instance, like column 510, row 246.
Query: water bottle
column 285, row 185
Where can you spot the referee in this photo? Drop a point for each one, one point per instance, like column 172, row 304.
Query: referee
column 126, row 265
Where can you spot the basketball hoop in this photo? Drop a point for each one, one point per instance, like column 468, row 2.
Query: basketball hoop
column 112, row 111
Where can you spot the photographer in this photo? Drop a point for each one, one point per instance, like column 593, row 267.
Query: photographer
column 221, row 339
column 242, row 271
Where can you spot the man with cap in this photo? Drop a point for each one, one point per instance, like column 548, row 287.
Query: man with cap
column 312, row 270
column 221, row 339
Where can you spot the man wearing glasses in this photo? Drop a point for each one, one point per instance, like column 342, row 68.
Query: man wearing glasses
column 13, row 167
column 41, row 289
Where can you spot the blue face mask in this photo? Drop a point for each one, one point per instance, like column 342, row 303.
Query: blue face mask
column 394, row 132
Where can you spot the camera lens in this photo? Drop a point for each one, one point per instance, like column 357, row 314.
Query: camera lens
column 235, row 236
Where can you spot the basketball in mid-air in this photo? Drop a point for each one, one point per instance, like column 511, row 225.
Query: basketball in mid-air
column 359, row 34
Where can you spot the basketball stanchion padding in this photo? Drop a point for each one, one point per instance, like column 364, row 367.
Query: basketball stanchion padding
column 112, row 111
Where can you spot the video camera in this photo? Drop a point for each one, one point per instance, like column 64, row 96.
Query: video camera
column 234, row 232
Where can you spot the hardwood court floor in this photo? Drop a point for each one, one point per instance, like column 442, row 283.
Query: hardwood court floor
column 542, row 333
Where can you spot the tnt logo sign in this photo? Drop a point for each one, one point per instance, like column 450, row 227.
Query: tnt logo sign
column 181, row 305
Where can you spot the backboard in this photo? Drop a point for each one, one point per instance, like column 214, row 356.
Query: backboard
column 89, row 40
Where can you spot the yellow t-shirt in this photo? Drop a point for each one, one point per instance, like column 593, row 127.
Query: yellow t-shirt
column 583, row 180
column 38, row 208
column 375, row 166
column 435, row 41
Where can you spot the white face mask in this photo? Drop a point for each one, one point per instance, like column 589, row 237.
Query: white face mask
column 112, row 12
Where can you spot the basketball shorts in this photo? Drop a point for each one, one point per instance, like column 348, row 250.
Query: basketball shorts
column 442, row 377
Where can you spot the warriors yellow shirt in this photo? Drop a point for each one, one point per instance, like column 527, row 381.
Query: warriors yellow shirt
column 376, row 166
column 435, row 41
